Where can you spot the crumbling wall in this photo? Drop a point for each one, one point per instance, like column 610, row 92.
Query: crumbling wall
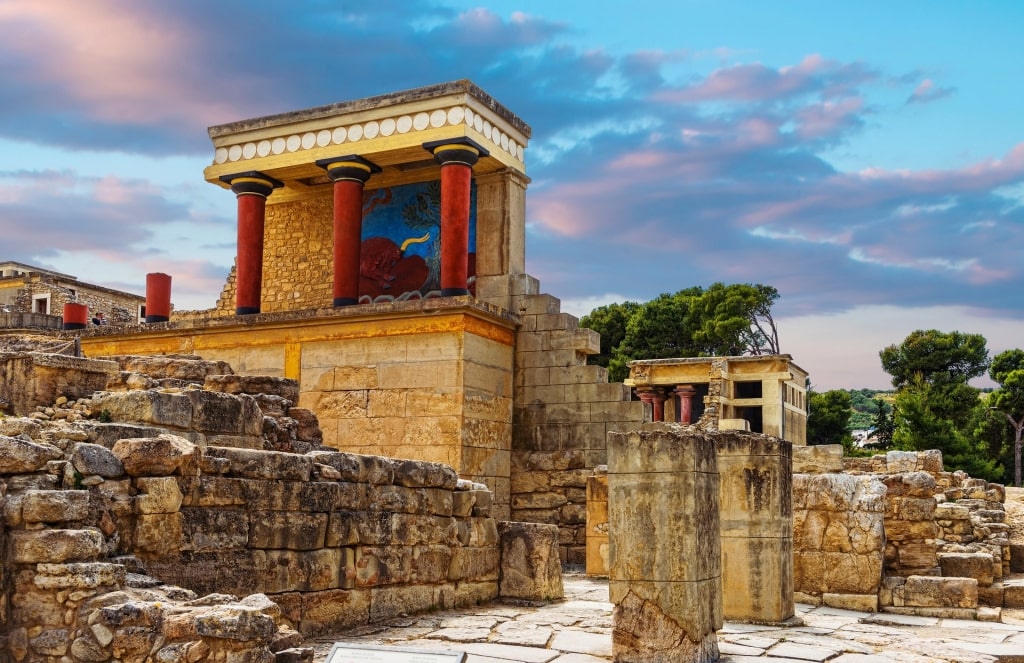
column 112, row 530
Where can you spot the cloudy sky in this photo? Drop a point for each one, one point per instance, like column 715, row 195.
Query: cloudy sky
column 866, row 158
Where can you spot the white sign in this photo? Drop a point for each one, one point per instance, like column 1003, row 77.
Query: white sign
column 341, row 653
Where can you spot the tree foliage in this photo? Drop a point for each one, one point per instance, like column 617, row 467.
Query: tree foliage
column 828, row 417
column 721, row 320
column 1007, row 370
column 883, row 424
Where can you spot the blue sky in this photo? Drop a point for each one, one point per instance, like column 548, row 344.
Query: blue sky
column 865, row 158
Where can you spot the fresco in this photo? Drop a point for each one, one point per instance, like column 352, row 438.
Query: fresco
column 401, row 243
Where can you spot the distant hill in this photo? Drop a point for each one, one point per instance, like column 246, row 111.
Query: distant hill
column 862, row 403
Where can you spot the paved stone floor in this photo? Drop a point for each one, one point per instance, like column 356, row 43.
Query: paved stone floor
column 578, row 630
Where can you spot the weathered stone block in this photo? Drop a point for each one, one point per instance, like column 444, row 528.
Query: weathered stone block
column 214, row 412
column 818, row 459
column 158, row 495
column 271, row 465
column 211, row 529
column 288, row 530
column 530, row 565
column 54, row 506
column 154, row 456
column 933, row 592
column 967, row 565
column 97, row 460
column 55, row 545
column 159, row 533
column 21, row 456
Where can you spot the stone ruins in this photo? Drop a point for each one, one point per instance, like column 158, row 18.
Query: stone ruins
column 383, row 415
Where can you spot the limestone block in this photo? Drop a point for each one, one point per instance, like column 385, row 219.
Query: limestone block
column 159, row 533
column 910, row 508
column 757, row 579
column 646, row 630
column 79, row 575
column 935, row 592
column 475, row 564
column 917, row 555
column 343, row 404
column 967, row 565
column 431, row 563
column 952, row 511
column 463, row 502
column 271, row 465
column 357, row 468
column 54, row 506
column 910, row 483
column 147, row 407
column 96, row 459
column 419, row 474
column 387, row 601
column 154, row 456
column 18, row 455
column 312, row 570
column 158, row 495
column 289, row 530
column 478, row 532
column 333, row 610
column 55, row 545
column 253, row 384
column 214, row 529
column 818, row 573
column 530, row 565
column 858, row 602
column 382, row 565
column 416, row 529
column 818, row 459
column 214, row 412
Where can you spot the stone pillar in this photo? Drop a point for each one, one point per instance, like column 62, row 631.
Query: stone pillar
column 665, row 575
column 252, row 189
column 685, row 394
column 457, row 157
column 158, row 297
column 349, row 174
column 756, row 501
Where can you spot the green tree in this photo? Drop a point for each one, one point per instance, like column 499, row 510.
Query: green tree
column 828, row 417
column 610, row 322
column 736, row 319
column 883, row 424
column 1007, row 370
column 944, row 362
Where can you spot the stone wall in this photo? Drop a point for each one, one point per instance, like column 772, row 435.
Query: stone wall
column 838, row 539
column 564, row 410
column 118, row 307
column 98, row 513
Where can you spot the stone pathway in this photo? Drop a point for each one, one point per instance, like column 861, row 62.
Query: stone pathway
column 578, row 630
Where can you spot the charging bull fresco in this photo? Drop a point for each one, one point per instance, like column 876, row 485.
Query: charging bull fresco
column 401, row 244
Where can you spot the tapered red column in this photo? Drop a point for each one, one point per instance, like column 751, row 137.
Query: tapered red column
column 655, row 397
column 457, row 157
column 158, row 297
column 349, row 174
column 685, row 392
column 252, row 189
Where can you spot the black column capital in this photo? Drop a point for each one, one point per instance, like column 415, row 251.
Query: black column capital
column 251, row 182
column 465, row 151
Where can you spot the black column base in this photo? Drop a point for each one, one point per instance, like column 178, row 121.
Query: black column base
column 74, row 325
column 156, row 318
column 247, row 310
column 345, row 301
column 454, row 292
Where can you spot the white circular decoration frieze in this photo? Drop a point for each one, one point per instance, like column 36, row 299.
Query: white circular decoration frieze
column 421, row 121
column 339, row 135
column 511, row 147
column 294, row 143
column 387, row 127
column 504, row 142
column 355, row 132
column 263, row 148
column 438, row 118
column 519, row 152
column 308, row 140
column 404, row 124
column 235, row 152
column 249, row 150
column 323, row 138
column 221, row 155
column 478, row 123
column 371, row 129
column 469, row 117
column 278, row 146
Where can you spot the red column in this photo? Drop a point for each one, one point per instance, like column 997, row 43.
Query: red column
column 252, row 189
column 348, row 173
column 76, row 316
column 685, row 392
column 158, row 297
column 457, row 157
column 655, row 397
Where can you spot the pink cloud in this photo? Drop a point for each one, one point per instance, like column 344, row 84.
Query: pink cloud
column 120, row 60
column 926, row 92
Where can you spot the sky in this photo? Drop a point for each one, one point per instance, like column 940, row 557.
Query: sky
column 865, row 158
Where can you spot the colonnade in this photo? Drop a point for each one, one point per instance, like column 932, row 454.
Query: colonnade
column 349, row 174
column 656, row 397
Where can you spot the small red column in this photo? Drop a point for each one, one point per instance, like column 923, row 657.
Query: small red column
column 252, row 189
column 76, row 316
column 685, row 392
column 158, row 297
column 655, row 397
column 457, row 157
column 349, row 174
